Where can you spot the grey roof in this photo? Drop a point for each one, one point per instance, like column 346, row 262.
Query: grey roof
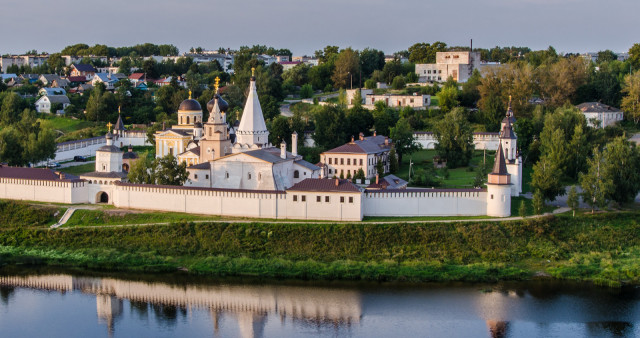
column 597, row 107
column 36, row 174
column 179, row 187
column 395, row 182
column 370, row 145
column 84, row 67
column 129, row 155
column 325, row 185
column 264, row 155
column 205, row 165
column 110, row 149
column 307, row 165
column 111, row 174
column 507, row 131
column 58, row 99
column 119, row 125
column 190, row 104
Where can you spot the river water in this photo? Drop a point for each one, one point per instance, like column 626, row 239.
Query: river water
column 47, row 303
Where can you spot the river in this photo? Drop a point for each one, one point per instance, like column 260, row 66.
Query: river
column 50, row 303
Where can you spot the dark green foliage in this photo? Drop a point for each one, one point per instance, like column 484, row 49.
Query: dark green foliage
column 18, row 214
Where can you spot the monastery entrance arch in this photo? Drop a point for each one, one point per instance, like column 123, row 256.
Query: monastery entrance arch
column 102, row 197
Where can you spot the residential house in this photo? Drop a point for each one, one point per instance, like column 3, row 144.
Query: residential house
column 398, row 101
column 108, row 79
column 45, row 103
column 458, row 65
column 83, row 70
column 600, row 115
column 47, row 79
column 286, row 65
column 137, row 78
column 51, row 91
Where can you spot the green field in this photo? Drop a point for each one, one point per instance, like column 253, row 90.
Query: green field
column 84, row 217
column 64, row 124
column 80, row 169
column 458, row 178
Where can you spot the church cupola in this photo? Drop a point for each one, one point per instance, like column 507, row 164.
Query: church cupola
column 189, row 112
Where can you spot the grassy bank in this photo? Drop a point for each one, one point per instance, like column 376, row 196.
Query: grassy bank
column 603, row 248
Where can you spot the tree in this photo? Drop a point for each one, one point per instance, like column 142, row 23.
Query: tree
column 371, row 60
column 329, row 122
column 403, row 140
column 573, row 200
column 398, row 82
column 546, row 178
column 359, row 175
column 169, row 172
column 538, row 202
column 448, row 98
column 522, row 210
column 596, row 184
column 622, row 161
column 631, row 99
column 12, row 105
column 347, row 69
column 559, row 81
column 306, row 91
column 634, row 56
column 425, row 53
column 393, row 161
column 125, row 66
column 280, row 130
column 455, row 138
column 142, row 171
column 380, row 168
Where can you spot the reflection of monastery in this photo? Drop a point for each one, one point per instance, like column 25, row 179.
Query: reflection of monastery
column 239, row 173
column 249, row 304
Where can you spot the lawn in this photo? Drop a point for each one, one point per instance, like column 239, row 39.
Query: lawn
column 80, row 169
column 458, row 178
column 64, row 124
column 84, row 217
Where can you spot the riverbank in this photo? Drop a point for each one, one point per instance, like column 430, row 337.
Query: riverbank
column 601, row 248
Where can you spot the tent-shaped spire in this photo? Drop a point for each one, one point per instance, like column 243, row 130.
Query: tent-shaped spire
column 499, row 165
column 119, row 125
column 252, row 129
column 215, row 116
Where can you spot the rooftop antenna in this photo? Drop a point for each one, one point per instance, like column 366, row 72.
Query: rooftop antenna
column 472, row 45
column 410, row 168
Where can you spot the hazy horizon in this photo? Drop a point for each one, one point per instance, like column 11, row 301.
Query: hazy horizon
column 306, row 26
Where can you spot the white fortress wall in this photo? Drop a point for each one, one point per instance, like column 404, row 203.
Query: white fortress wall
column 426, row 202
column 43, row 190
column 338, row 208
column 88, row 147
column 481, row 140
column 239, row 203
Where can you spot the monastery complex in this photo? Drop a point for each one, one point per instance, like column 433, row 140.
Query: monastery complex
column 237, row 172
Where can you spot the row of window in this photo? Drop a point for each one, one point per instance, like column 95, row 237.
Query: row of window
column 355, row 161
column 434, row 71
column 434, row 78
column 327, row 199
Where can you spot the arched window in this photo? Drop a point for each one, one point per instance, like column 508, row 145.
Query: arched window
column 296, row 174
column 259, row 176
column 226, row 175
column 187, row 119
column 249, row 175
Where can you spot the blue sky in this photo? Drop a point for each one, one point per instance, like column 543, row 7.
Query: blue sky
column 307, row 25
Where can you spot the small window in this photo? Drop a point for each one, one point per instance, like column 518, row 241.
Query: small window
column 326, row 199
column 330, row 160
column 491, row 196
column 348, row 161
column 206, row 177
column 296, row 174
column 249, row 176
column 360, row 161
column 295, row 198
column 226, row 175
column 304, row 198
column 195, row 176
column 319, row 198
column 341, row 199
column 342, row 161
column 350, row 199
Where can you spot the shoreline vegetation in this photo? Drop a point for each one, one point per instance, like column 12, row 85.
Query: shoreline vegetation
column 600, row 248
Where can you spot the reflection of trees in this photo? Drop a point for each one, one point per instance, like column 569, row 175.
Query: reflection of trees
column 498, row 329
column 168, row 314
column 139, row 308
column 5, row 294
column 615, row 329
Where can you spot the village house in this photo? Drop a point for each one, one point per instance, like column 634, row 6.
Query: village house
column 600, row 115
column 46, row 102
column 362, row 153
column 87, row 71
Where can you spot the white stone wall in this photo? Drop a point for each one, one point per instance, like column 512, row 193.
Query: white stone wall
column 88, row 147
column 422, row 202
column 331, row 206
column 43, row 191
column 498, row 200
column 488, row 141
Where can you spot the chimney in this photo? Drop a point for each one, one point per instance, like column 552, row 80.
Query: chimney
column 283, row 150
column 352, row 138
column 386, row 140
column 163, row 125
column 294, row 143
column 61, row 175
column 337, row 180
column 375, row 133
column 361, row 136
column 377, row 178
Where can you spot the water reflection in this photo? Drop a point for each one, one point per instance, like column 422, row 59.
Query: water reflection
column 253, row 310
column 250, row 305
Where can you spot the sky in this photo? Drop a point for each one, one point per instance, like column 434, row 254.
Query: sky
column 304, row 26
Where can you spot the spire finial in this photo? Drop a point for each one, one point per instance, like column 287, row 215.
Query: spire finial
column 217, row 84
column 119, row 109
column 253, row 72
column 189, row 94
column 109, row 125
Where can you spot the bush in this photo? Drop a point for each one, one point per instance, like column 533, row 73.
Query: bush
column 306, row 91
column 398, row 82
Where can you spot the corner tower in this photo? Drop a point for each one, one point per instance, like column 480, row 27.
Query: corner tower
column 215, row 142
column 509, row 143
column 499, row 188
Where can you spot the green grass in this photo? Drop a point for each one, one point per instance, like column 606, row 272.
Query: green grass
column 83, row 217
column 458, row 178
column 80, row 169
column 434, row 101
column 64, row 124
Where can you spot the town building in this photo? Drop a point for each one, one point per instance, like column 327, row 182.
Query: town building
column 85, row 70
column 22, row 61
column 458, row 65
column 363, row 153
column 600, row 115
column 46, row 102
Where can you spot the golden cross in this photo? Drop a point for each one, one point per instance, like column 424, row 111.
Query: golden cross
column 217, row 84
column 253, row 72
column 189, row 94
column 118, row 109
column 109, row 126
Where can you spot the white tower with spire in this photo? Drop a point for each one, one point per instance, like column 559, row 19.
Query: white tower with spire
column 252, row 132
column 509, row 142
